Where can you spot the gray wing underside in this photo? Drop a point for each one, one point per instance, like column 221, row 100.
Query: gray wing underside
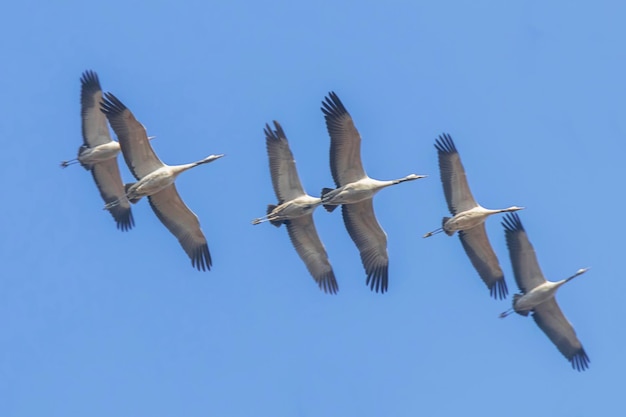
column 182, row 223
column 307, row 243
column 371, row 241
column 106, row 175
column 560, row 331
column 285, row 179
column 456, row 189
column 481, row 254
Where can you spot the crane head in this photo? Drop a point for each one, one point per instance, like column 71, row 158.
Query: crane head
column 212, row 158
column 414, row 177
column 582, row 271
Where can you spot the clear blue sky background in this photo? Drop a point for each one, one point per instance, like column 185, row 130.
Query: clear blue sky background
column 96, row 322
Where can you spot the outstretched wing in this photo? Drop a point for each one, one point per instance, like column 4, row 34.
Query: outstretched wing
column 138, row 153
column 479, row 250
column 305, row 239
column 345, row 142
column 94, row 122
column 183, row 224
column 455, row 187
column 285, row 180
column 551, row 320
column 526, row 269
column 371, row 240
column 106, row 174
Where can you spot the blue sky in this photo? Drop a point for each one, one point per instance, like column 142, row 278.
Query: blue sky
column 98, row 322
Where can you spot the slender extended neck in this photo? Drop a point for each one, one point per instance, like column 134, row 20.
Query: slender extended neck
column 411, row 177
column 579, row 272
column 510, row 209
column 507, row 210
column 177, row 169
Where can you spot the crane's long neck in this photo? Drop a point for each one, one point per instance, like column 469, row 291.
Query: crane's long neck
column 379, row 185
column 411, row 177
column 504, row 210
column 579, row 272
column 177, row 169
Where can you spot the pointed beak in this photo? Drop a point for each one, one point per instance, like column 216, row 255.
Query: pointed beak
column 212, row 158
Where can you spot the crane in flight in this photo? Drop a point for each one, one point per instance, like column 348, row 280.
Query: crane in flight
column 295, row 209
column 468, row 218
column 155, row 180
column 537, row 294
column 98, row 153
column 355, row 191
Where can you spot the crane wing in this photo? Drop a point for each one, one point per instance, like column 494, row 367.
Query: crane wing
column 455, row 187
column 285, row 180
column 371, row 240
column 106, row 174
column 138, row 153
column 551, row 320
column 479, row 250
column 183, row 224
column 345, row 142
column 94, row 122
column 526, row 269
column 305, row 239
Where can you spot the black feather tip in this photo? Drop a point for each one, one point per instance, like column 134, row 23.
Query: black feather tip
column 444, row 144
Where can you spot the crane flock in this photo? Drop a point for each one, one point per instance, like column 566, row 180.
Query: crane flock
column 354, row 191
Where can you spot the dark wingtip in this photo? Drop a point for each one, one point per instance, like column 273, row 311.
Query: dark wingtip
column 89, row 79
column 512, row 223
column 378, row 279
column 275, row 134
column 201, row 260
column 332, row 106
column 125, row 222
column 580, row 361
column 499, row 290
column 278, row 130
column 444, row 144
column 328, row 283
column 111, row 105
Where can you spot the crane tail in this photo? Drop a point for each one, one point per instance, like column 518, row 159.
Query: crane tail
column 515, row 298
column 82, row 149
column 325, row 191
column 328, row 207
column 270, row 209
column 126, row 188
column 443, row 222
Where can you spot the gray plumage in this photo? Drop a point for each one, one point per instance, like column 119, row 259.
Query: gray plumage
column 537, row 294
column 155, row 180
column 98, row 153
column 355, row 191
column 295, row 209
